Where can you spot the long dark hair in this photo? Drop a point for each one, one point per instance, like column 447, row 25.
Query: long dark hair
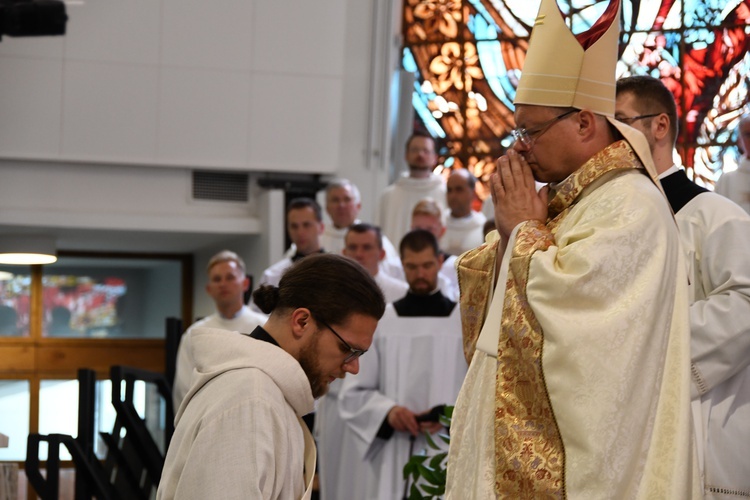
column 331, row 286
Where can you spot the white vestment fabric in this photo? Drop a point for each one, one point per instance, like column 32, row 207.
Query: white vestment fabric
column 244, row 321
column 463, row 234
column 339, row 463
column 239, row 433
column 448, row 278
column 398, row 200
column 610, row 297
column 416, row 362
column 332, row 239
column 736, row 185
column 272, row 274
column 392, row 288
column 715, row 235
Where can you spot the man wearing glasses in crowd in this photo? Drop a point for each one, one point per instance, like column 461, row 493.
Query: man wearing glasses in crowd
column 240, row 433
column 715, row 236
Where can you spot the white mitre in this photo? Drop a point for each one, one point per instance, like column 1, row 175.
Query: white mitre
column 559, row 71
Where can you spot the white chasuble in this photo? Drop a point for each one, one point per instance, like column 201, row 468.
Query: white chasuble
column 581, row 369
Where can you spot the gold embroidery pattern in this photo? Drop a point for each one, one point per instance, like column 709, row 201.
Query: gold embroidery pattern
column 476, row 266
column 530, row 457
column 528, row 447
column 617, row 156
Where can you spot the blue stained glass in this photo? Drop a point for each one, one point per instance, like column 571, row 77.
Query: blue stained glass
column 651, row 15
column 705, row 64
column 524, row 10
column 493, row 66
column 424, row 114
column 650, row 54
column 408, row 62
column 487, row 32
column 699, row 39
column 707, row 12
column 420, row 98
column 582, row 14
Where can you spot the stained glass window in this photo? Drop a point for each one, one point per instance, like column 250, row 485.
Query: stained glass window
column 467, row 55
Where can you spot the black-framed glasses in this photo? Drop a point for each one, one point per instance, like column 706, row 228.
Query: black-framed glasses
column 628, row 120
column 353, row 353
column 526, row 137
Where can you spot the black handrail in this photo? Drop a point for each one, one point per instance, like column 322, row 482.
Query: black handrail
column 48, row 488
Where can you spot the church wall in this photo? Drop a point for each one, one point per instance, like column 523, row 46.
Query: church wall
column 103, row 127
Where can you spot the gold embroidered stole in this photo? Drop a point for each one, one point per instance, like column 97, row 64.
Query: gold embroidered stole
column 529, row 454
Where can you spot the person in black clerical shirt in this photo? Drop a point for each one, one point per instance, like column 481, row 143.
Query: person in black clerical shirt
column 416, row 365
column 422, row 261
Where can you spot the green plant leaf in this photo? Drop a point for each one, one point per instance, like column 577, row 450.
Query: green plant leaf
column 429, row 475
column 411, row 465
column 414, row 493
column 409, row 468
column 444, row 438
column 430, row 441
column 437, row 459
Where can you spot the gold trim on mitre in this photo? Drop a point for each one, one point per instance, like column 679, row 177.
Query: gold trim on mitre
column 559, row 72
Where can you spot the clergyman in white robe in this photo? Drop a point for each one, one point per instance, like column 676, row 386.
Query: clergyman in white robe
column 398, row 200
column 735, row 185
column 463, row 233
column 416, row 362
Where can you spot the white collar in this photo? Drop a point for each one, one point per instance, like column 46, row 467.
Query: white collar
column 671, row 170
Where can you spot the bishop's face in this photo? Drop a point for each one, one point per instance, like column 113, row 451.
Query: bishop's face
column 549, row 152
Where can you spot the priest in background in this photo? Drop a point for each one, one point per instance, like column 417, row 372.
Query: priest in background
column 227, row 284
column 343, row 205
column 338, row 462
column 715, row 236
column 364, row 243
column 304, row 223
column 735, row 185
column 398, row 199
column 463, row 226
column 414, row 365
column 428, row 215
